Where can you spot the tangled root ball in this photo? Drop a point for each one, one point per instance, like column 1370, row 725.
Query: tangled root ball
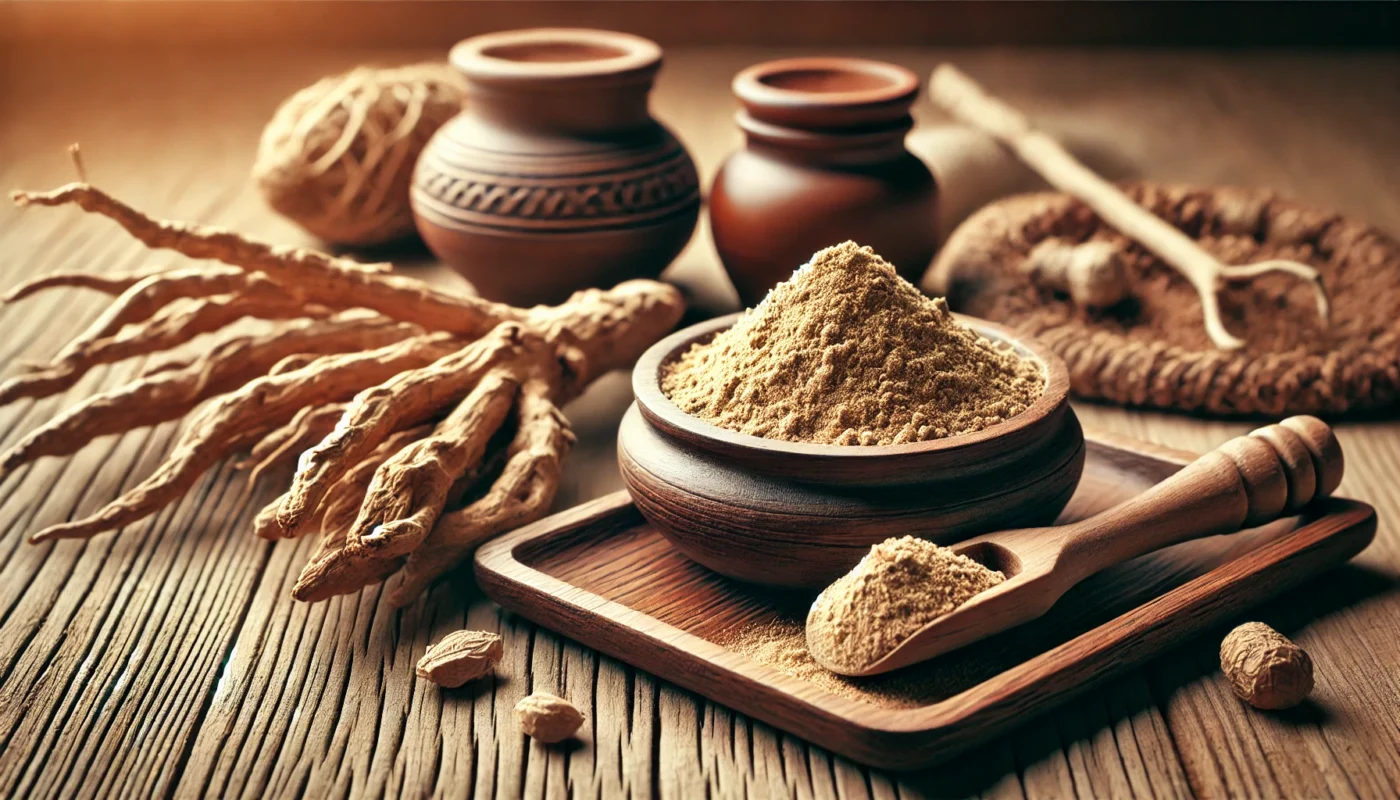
column 1265, row 668
column 337, row 157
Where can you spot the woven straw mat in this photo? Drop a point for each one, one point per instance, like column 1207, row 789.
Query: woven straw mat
column 1151, row 350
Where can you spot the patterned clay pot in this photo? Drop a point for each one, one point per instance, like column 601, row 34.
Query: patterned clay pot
column 555, row 177
column 824, row 161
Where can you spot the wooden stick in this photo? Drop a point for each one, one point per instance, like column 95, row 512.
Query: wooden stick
column 967, row 102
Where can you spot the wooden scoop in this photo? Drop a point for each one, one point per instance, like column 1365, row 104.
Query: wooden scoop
column 1248, row 481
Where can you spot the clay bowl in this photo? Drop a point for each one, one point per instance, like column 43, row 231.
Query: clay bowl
column 800, row 515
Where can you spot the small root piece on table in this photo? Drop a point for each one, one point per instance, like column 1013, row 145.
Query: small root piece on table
column 169, row 394
column 547, row 718
column 241, row 418
column 403, row 401
column 1265, row 668
column 523, row 493
column 460, row 658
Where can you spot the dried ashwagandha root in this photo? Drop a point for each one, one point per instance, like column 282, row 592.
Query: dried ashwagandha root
column 310, row 425
column 446, row 398
column 459, row 658
column 238, row 419
column 332, row 570
column 408, row 494
column 327, row 568
column 113, row 283
column 404, row 400
column 1265, row 668
column 319, row 278
column 546, row 718
column 522, row 494
column 171, row 327
column 170, row 393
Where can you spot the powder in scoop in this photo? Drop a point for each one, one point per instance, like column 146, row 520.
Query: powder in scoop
column 847, row 352
column 901, row 585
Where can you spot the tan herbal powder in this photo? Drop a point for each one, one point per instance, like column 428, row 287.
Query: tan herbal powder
column 900, row 585
column 782, row 645
column 847, row 352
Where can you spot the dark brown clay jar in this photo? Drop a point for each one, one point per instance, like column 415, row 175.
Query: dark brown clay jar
column 824, row 162
column 555, row 177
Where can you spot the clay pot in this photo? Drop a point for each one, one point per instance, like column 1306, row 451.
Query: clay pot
column 824, row 162
column 555, row 177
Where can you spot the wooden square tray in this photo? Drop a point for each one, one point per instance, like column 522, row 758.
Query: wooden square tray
column 601, row 575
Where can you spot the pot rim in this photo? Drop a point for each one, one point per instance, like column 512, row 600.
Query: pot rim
column 755, row 87
column 618, row 56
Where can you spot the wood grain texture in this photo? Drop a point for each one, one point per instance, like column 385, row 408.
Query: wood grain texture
column 168, row 660
column 607, row 576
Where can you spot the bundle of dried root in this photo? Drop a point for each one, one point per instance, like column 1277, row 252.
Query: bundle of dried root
column 400, row 399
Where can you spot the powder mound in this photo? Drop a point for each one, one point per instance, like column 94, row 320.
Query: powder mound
column 900, row 585
column 847, row 352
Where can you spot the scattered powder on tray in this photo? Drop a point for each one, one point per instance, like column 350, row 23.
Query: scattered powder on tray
column 782, row 645
column 847, row 352
column 898, row 587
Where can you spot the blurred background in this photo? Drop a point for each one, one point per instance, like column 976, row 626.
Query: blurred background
column 674, row 22
column 168, row 98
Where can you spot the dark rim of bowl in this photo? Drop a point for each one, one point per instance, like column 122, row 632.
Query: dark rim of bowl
column 900, row 85
column 658, row 409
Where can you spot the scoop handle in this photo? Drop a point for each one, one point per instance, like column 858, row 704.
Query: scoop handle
column 1250, row 480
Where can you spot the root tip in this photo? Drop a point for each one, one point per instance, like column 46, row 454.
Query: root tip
column 68, row 530
column 289, row 516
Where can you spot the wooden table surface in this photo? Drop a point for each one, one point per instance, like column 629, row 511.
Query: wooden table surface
column 169, row 659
